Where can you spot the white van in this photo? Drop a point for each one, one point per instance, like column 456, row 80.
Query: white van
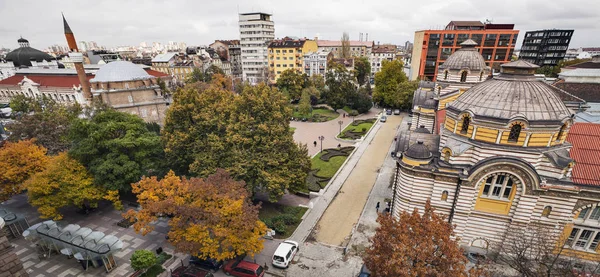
column 285, row 253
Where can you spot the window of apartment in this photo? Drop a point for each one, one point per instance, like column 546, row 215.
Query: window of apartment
column 284, row 65
column 448, row 40
column 490, row 40
column 477, row 38
column 498, row 186
column 277, row 51
column 461, row 38
column 278, row 65
column 291, row 65
column 487, row 53
column 284, row 51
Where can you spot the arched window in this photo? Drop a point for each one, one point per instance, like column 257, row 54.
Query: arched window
column 447, row 156
column 498, row 186
column 585, row 234
column 439, row 90
column 481, row 76
column 547, row 211
column 446, row 75
column 465, row 125
column 514, row 134
column 463, row 77
column 444, row 195
column 561, row 132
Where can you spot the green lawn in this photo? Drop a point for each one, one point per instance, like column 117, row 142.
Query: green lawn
column 327, row 169
column 283, row 219
column 318, row 115
column 356, row 129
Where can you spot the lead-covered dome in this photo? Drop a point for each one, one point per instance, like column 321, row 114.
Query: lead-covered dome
column 515, row 93
column 119, row 71
column 467, row 57
column 22, row 56
column 418, row 151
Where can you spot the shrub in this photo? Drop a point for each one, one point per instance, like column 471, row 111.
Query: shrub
column 286, row 218
column 279, row 227
column 142, row 259
column 364, row 130
column 353, row 113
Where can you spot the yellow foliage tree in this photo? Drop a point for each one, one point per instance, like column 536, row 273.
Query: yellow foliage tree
column 64, row 182
column 18, row 161
column 211, row 217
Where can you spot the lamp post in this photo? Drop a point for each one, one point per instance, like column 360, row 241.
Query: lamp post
column 340, row 122
column 321, row 138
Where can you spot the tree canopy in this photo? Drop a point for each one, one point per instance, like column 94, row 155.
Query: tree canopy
column 345, row 49
column 18, row 162
column 292, row 82
column 64, row 182
column 211, row 217
column 117, row 148
column 387, row 84
column 208, row 127
column 340, row 86
column 414, row 245
column 199, row 75
column 362, row 70
column 45, row 120
column 142, row 259
column 304, row 107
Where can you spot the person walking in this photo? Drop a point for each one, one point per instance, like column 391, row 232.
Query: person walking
column 377, row 207
column 315, row 143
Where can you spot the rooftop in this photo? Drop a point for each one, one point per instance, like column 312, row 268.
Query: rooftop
column 585, row 152
column 63, row 81
column 338, row 43
column 467, row 57
column 286, row 43
column 163, row 58
column 120, row 71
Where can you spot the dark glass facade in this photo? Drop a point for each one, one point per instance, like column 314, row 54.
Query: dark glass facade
column 545, row 47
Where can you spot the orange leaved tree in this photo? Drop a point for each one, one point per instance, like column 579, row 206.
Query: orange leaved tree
column 210, row 217
column 18, row 161
column 415, row 245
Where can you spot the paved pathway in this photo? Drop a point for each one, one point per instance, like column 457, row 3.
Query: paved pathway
column 309, row 132
column 343, row 213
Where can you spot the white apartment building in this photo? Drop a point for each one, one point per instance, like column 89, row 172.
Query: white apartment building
column 379, row 54
column 256, row 31
column 315, row 63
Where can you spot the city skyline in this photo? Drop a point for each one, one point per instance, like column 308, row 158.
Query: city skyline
column 112, row 23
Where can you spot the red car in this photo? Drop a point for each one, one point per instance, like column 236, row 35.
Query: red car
column 190, row 271
column 243, row 269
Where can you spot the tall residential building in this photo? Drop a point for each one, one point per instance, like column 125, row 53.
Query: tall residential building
column 496, row 43
column 230, row 51
column 545, row 47
column 379, row 54
column 288, row 53
column 315, row 63
column 256, row 31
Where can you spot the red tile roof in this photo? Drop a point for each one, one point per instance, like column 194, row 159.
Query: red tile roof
column 156, row 73
column 585, row 138
column 61, row 81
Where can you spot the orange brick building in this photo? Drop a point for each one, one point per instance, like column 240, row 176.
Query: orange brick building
column 432, row 47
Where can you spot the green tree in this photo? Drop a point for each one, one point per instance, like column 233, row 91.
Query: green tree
column 362, row 101
column 212, row 70
column 345, row 49
column 163, row 86
column 142, row 259
column 117, row 148
column 362, row 70
column 304, row 107
column 318, row 82
column 292, row 82
column 64, row 182
column 340, row 86
column 45, row 120
column 197, row 75
column 405, row 93
column 387, row 82
column 548, row 71
column 22, row 104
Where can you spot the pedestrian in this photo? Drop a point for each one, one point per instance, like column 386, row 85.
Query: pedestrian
column 339, row 145
column 377, row 207
column 344, row 115
column 315, row 143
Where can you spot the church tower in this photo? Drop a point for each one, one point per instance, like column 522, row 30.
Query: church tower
column 77, row 59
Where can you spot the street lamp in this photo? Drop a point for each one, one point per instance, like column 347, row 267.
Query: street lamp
column 340, row 122
column 321, row 138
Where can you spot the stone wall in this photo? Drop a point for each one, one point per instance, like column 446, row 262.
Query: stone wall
column 10, row 265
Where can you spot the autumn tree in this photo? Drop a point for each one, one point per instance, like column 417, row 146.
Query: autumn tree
column 537, row 250
column 45, row 120
column 345, row 49
column 340, row 86
column 18, row 161
column 211, row 217
column 292, row 82
column 414, row 245
column 362, row 70
column 263, row 151
column 387, row 82
column 304, row 107
column 117, row 148
column 197, row 75
column 65, row 182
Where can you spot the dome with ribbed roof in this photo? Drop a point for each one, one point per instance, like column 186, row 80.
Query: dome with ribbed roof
column 515, row 93
column 418, row 151
column 120, row 71
column 22, row 56
column 467, row 57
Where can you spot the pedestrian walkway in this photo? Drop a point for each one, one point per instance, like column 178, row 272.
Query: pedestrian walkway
column 319, row 204
column 337, row 223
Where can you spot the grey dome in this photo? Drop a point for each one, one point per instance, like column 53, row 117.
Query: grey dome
column 418, row 151
column 467, row 57
column 430, row 103
column 422, row 130
column 23, row 56
column 514, row 93
column 120, row 71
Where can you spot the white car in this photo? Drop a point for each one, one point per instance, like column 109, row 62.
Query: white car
column 285, row 253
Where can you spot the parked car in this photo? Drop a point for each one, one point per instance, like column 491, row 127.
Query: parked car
column 190, row 271
column 388, row 111
column 210, row 264
column 285, row 253
column 397, row 111
column 364, row 271
column 243, row 269
column 383, row 118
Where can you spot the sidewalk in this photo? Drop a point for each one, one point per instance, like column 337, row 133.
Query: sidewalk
column 320, row 204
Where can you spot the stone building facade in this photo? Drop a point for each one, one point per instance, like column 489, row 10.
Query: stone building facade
column 10, row 265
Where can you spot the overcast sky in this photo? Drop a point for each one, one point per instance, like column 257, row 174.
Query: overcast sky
column 126, row 22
